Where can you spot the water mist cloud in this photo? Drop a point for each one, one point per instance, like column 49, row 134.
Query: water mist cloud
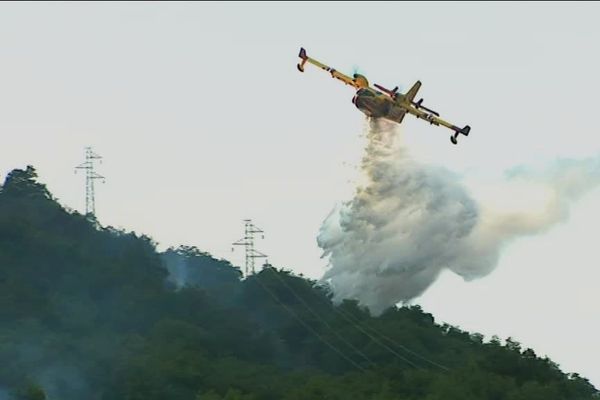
column 409, row 221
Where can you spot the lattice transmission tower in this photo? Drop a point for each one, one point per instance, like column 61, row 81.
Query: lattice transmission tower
column 90, row 177
column 248, row 242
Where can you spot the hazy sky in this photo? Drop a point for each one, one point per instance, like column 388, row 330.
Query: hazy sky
column 203, row 121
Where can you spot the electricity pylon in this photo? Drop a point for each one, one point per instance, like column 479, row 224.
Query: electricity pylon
column 90, row 177
column 248, row 242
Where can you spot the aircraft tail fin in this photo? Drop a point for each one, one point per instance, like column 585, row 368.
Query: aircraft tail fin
column 410, row 95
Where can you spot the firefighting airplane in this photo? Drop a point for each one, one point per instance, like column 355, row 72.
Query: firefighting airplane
column 387, row 104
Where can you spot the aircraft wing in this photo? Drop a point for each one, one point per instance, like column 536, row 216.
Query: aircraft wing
column 334, row 73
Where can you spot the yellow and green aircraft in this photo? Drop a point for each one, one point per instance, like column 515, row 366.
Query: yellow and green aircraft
column 385, row 103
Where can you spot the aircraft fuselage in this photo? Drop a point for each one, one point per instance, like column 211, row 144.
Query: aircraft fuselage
column 378, row 105
column 388, row 104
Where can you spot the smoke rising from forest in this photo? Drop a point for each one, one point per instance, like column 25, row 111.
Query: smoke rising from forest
column 409, row 221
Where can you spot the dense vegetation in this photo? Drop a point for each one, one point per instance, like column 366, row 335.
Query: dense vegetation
column 88, row 312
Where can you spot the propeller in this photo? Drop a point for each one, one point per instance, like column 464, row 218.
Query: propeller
column 356, row 70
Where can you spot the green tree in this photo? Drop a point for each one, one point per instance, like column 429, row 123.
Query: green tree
column 32, row 392
column 76, row 296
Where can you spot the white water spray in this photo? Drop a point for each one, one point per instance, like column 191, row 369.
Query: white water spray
column 409, row 221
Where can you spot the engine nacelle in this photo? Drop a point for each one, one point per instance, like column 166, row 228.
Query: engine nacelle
column 361, row 81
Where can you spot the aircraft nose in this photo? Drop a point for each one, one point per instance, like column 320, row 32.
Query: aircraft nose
column 364, row 105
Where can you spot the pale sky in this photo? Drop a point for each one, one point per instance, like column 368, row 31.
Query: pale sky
column 203, row 121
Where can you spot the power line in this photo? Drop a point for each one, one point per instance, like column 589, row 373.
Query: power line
column 354, row 348
column 356, row 323
column 374, row 339
column 351, row 319
column 252, row 253
column 310, row 328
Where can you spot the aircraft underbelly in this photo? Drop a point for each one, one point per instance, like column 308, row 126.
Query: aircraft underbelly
column 372, row 107
column 396, row 114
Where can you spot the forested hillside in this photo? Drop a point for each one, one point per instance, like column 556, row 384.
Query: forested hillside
column 89, row 312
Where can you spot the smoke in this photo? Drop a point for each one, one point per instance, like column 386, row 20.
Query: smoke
column 4, row 394
column 409, row 221
column 37, row 364
column 177, row 267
